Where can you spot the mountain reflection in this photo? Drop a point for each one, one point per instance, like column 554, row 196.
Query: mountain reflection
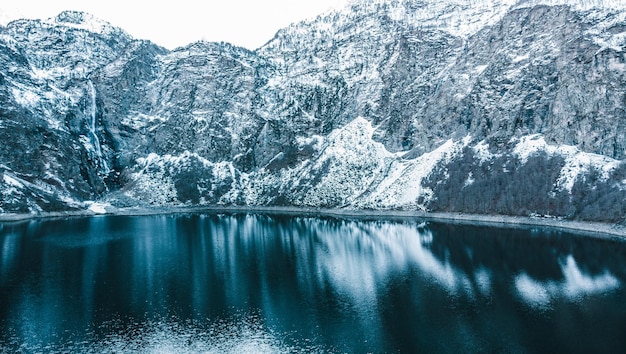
column 542, row 267
column 574, row 286
column 298, row 282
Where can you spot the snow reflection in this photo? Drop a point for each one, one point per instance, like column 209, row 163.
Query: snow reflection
column 575, row 285
column 356, row 257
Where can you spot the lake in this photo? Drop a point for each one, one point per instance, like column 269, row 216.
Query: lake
column 256, row 283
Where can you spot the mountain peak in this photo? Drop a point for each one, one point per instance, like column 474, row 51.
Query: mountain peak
column 85, row 21
column 75, row 17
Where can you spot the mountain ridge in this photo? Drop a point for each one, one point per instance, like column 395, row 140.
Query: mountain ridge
column 351, row 109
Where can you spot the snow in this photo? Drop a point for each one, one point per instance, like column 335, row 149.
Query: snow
column 470, row 180
column 154, row 183
column 180, row 160
column 603, row 14
column 97, row 208
column 520, row 58
column 86, row 142
column 576, row 161
column 457, row 17
column 155, row 187
column 351, row 169
column 16, row 186
column 40, row 74
column 481, row 152
column 531, row 144
column 138, row 121
column 464, row 18
column 314, row 141
column 402, row 185
column 581, row 5
column 580, row 163
column 81, row 21
column 12, row 181
column 615, row 64
column 352, row 159
column 480, row 69
column 47, row 103
column 25, row 97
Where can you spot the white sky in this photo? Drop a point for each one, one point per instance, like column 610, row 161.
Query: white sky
column 247, row 23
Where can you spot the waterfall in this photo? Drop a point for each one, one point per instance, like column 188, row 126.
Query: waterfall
column 95, row 141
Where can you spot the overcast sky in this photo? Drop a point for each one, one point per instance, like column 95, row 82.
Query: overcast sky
column 246, row 23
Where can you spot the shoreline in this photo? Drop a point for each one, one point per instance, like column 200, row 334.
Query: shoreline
column 593, row 229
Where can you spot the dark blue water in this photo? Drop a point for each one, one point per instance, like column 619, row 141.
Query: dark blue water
column 246, row 283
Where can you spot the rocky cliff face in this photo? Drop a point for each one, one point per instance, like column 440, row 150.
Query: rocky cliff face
column 493, row 106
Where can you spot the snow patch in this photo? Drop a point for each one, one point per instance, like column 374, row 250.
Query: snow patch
column 530, row 145
column 615, row 64
column 97, row 208
column 12, row 181
column 315, row 141
column 349, row 162
column 26, row 98
column 480, row 69
column 581, row 162
column 576, row 161
column 138, row 121
column 470, row 180
column 481, row 152
column 181, row 160
column 520, row 58
column 155, row 181
column 402, row 186
column 40, row 74
column 81, row 21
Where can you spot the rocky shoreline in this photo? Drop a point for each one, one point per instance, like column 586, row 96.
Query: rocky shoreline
column 591, row 229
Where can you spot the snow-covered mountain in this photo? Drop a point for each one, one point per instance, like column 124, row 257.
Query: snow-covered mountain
column 485, row 106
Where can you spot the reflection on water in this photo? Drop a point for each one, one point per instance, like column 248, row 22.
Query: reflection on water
column 575, row 285
column 246, row 283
